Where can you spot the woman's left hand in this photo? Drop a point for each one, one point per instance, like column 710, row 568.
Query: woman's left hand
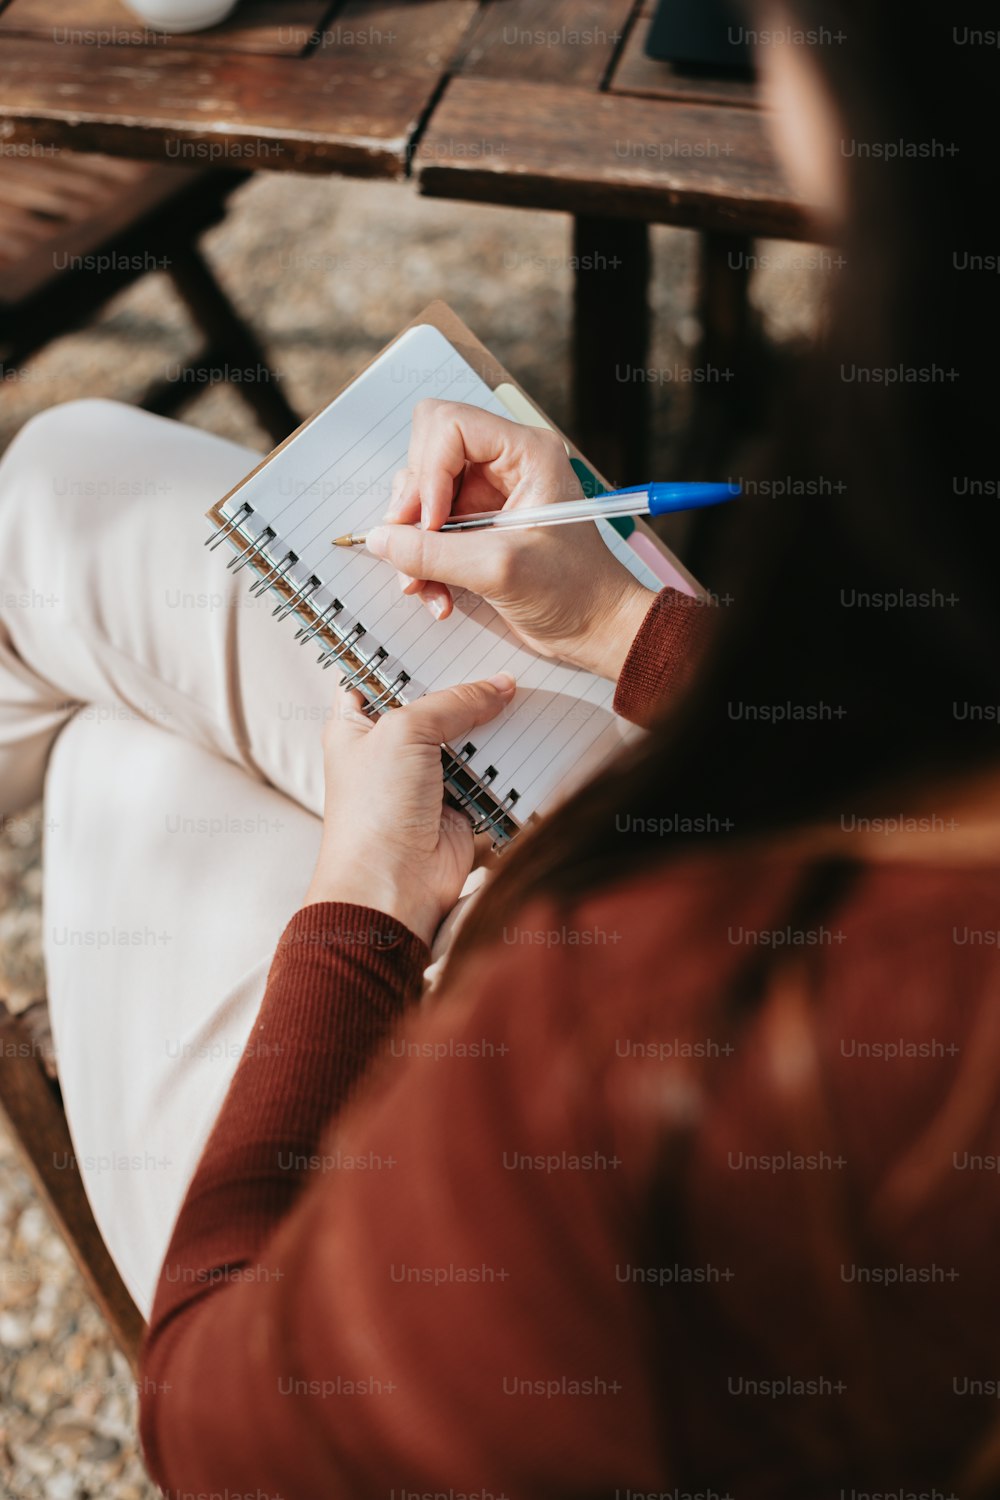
column 389, row 839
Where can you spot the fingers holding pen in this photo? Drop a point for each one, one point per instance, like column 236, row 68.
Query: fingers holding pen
column 404, row 509
column 463, row 459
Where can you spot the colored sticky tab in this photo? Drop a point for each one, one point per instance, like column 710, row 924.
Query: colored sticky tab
column 647, row 561
column 592, row 486
column 521, row 408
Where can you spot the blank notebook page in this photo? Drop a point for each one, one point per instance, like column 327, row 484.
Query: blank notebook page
column 335, row 477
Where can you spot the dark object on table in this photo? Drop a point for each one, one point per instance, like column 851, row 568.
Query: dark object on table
column 708, row 35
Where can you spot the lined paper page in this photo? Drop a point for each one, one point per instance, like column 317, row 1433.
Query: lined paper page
column 335, row 477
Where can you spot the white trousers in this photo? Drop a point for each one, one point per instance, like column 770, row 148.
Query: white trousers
column 174, row 728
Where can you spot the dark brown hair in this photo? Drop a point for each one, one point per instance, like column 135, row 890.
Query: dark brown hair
column 867, row 607
column 891, row 418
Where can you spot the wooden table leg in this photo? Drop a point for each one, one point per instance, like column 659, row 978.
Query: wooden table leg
column 723, row 400
column 723, row 298
column 611, row 343
column 226, row 331
column 727, row 406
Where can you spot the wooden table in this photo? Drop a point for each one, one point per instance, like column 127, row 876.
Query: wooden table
column 551, row 106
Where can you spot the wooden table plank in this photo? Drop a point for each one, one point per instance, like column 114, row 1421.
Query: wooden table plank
column 635, row 73
column 275, row 27
column 539, row 146
column 384, row 32
column 564, row 41
column 321, row 113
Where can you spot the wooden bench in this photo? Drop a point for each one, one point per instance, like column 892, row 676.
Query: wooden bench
column 75, row 229
column 32, row 1103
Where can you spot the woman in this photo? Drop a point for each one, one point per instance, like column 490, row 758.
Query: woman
column 679, row 1186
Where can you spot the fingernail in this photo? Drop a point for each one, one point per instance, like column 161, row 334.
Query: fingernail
column 436, row 607
column 377, row 540
column 503, row 682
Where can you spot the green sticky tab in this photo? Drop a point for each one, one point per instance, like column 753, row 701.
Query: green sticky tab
column 589, row 483
column 592, row 486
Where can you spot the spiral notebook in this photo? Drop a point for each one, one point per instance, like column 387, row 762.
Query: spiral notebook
column 332, row 476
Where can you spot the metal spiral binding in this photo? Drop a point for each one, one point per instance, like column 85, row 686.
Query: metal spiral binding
column 300, row 596
column 492, row 821
column 274, row 575
column 306, row 633
column 467, row 789
column 354, row 679
column 494, row 816
column 241, row 559
column 230, row 526
column 377, row 705
column 344, row 644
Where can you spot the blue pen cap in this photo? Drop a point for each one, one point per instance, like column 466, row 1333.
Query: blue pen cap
column 664, row 498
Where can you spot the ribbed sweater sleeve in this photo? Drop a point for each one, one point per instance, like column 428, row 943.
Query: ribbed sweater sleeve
column 663, row 655
column 341, row 977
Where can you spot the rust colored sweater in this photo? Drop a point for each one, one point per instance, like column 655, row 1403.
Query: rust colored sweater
column 575, row 1231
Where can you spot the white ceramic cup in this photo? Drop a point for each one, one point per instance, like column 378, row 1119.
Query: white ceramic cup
column 181, row 15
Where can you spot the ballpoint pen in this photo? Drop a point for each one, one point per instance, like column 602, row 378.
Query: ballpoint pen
column 638, row 500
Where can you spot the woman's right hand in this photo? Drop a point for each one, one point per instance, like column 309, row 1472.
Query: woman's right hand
column 560, row 588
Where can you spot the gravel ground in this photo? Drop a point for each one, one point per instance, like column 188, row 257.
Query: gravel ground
column 327, row 271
